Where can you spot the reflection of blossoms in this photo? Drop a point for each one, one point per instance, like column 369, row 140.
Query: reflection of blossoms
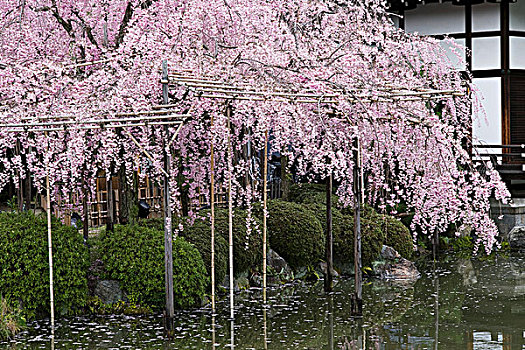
column 413, row 151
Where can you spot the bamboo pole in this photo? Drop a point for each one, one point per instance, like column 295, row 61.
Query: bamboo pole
column 230, row 211
column 357, row 300
column 50, row 249
column 265, row 200
column 168, row 238
column 212, row 205
column 328, row 279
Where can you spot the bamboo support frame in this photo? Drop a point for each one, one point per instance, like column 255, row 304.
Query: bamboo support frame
column 212, row 208
column 230, row 212
column 50, row 251
column 357, row 300
column 168, row 232
column 210, row 88
column 265, row 200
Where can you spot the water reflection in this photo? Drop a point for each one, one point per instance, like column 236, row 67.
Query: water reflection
column 455, row 305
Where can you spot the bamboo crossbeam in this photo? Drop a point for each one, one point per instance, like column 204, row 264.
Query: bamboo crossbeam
column 98, row 121
column 85, row 64
column 92, row 127
column 216, row 89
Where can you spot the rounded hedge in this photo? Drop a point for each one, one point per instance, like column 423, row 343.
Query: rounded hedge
column 199, row 234
column 295, row 233
column 372, row 240
column 134, row 256
column 306, row 193
column 24, row 272
column 247, row 246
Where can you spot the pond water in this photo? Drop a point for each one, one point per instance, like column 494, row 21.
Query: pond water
column 459, row 304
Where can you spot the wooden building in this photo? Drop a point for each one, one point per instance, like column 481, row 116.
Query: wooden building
column 494, row 33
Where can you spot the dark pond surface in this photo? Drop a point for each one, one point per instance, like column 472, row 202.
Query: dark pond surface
column 460, row 304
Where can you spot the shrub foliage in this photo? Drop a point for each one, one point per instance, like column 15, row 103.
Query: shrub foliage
column 134, row 256
column 24, row 272
column 199, row 234
column 295, row 233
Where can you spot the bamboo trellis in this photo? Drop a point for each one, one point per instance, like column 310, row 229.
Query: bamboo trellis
column 65, row 123
column 213, row 88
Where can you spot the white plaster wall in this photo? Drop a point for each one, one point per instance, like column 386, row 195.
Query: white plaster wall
column 487, row 129
column 431, row 19
column 486, row 53
column 517, row 15
column 517, row 53
column 485, row 17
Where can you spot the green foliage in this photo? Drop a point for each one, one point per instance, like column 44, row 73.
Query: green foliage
column 134, row 256
column 295, row 233
column 24, row 276
column 155, row 223
column 12, row 320
column 200, row 236
column 398, row 236
column 247, row 248
column 130, row 307
column 306, row 193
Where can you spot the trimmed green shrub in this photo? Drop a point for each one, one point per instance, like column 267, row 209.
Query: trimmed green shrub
column 295, row 233
column 398, row 236
column 134, row 256
column 11, row 320
column 155, row 223
column 200, row 236
column 247, row 247
column 24, row 272
column 372, row 240
column 306, row 193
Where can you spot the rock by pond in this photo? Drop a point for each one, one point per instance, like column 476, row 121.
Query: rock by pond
column 517, row 238
column 109, row 292
column 392, row 266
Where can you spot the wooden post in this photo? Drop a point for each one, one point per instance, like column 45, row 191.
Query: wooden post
column 50, row 249
column 435, row 245
column 230, row 212
column 110, row 203
column 436, row 306
column 168, row 239
column 328, row 278
column 357, row 300
column 265, row 208
column 212, row 207
column 85, row 221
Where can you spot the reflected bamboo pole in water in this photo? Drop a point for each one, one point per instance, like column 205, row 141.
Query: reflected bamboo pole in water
column 232, row 334
column 212, row 208
column 436, row 305
column 265, row 200
column 265, row 328
column 213, row 345
column 331, row 321
column 230, row 210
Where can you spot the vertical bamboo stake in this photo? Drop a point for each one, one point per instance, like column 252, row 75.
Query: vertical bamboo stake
column 265, row 200
column 110, row 201
column 230, row 212
column 50, row 249
column 168, row 239
column 328, row 280
column 357, row 301
column 212, row 205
